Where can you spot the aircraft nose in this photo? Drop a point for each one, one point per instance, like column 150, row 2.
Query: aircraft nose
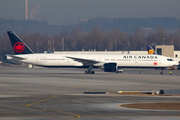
column 176, row 63
column 173, row 63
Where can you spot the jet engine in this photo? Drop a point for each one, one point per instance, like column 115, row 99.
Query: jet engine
column 110, row 67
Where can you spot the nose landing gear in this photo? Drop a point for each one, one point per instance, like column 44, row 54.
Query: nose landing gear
column 162, row 71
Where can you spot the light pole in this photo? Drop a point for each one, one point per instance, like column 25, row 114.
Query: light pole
column 115, row 44
column 62, row 44
column 163, row 40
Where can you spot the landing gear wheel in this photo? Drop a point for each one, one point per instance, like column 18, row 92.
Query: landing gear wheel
column 161, row 73
column 89, row 72
column 92, row 72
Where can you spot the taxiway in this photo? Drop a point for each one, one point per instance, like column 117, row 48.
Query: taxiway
column 42, row 93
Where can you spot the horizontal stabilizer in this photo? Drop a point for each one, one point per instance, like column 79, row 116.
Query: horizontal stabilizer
column 16, row 58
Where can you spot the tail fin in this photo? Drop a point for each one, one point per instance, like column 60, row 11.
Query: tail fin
column 18, row 45
column 150, row 50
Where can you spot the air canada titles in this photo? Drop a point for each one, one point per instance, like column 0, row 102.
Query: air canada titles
column 140, row 56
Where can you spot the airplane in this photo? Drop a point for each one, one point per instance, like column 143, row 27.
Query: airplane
column 107, row 62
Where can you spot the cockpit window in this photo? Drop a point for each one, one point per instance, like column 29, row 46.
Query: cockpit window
column 169, row 59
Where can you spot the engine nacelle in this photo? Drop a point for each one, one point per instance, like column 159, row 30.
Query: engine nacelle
column 110, row 67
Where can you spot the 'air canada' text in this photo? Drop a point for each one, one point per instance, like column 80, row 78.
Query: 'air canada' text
column 140, row 57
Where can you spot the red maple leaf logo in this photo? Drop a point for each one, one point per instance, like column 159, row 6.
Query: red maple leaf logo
column 155, row 63
column 19, row 47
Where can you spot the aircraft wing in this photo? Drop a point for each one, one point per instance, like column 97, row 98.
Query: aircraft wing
column 85, row 61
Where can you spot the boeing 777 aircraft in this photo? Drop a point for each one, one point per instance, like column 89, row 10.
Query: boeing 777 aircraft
column 107, row 62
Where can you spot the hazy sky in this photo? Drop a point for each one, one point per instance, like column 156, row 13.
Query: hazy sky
column 65, row 11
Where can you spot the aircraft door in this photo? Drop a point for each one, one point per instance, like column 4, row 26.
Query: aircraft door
column 68, row 60
column 37, row 59
column 160, row 62
column 99, row 59
column 136, row 60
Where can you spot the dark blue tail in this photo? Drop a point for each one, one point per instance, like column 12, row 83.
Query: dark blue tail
column 150, row 50
column 18, row 45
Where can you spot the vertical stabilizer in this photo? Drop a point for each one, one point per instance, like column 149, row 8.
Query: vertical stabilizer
column 18, row 45
column 150, row 50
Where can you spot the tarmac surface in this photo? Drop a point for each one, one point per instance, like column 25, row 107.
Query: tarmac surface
column 43, row 93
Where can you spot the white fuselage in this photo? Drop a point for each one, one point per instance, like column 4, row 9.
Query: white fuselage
column 122, row 60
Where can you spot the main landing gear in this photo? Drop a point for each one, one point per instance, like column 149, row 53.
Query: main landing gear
column 89, row 71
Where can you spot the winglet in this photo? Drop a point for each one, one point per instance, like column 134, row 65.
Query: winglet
column 18, row 45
